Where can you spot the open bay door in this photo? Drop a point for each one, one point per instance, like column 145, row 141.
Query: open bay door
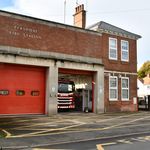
column 78, row 97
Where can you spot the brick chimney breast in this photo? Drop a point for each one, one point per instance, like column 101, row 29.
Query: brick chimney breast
column 80, row 16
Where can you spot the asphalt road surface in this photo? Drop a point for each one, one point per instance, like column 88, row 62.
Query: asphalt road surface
column 75, row 131
column 133, row 142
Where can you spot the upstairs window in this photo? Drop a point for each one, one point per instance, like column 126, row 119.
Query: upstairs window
column 113, row 88
column 124, row 50
column 125, row 88
column 113, row 49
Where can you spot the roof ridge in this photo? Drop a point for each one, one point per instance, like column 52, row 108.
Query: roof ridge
column 107, row 26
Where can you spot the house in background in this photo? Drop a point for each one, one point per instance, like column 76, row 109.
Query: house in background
column 144, row 86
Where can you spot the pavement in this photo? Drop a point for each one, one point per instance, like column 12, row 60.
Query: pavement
column 38, row 131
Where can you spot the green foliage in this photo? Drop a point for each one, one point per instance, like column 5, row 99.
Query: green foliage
column 144, row 70
column 2, row 135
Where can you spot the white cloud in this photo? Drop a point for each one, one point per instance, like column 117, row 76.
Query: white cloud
column 130, row 15
column 45, row 9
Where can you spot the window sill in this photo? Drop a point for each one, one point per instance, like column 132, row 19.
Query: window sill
column 125, row 100
column 125, row 62
column 112, row 100
column 113, row 61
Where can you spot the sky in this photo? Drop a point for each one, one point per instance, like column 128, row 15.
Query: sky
column 131, row 15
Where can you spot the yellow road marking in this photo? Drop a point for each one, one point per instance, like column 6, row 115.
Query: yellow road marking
column 7, row 133
column 71, row 126
column 111, row 143
column 88, row 129
column 116, row 125
column 99, row 147
column 46, row 149
column 41, row 149
column 68, row 127
column 110, row 119
column 40, row 132
column 32, row 125
column 17, row 120
column 85, row 140
column 133, row 125
column 125, row 141
column 138, row 139
column 47, row 123
column 147, row 138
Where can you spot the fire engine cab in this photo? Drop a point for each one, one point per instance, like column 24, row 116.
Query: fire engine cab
column 65, row 94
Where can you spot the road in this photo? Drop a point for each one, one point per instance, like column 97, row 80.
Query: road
column 75, row 131
column 138, row 143
column 131, row 142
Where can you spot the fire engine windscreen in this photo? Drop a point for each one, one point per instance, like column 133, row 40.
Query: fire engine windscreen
column 66, row 87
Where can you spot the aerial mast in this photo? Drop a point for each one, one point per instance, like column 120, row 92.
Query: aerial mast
column 65, row 11
column 77, row 3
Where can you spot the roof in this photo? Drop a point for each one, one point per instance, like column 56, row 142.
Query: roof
column 105, row 27
column 147, row 79
column 141, row 80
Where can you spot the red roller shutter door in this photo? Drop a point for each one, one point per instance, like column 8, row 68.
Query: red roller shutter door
column 22, row 89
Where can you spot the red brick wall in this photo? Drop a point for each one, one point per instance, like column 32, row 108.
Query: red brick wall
column 118, row 65
column 113, row 65
column 32, row 35
column 38, row 36
column 120, row 105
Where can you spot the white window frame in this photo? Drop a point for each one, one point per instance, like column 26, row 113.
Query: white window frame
column 112, row 48
column 114, row 88
column 124, row 99
column 124, row 50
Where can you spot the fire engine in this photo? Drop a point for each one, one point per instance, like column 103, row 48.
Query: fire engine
column 65, row 96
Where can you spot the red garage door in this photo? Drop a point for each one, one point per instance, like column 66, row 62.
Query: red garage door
column 22, row 89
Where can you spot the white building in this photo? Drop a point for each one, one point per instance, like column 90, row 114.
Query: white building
column 144, row 86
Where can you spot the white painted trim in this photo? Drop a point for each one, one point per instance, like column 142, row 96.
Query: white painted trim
column 124, row 50
column 124, row 99
column 119, row 72
column 116, row 99
column 111, row 58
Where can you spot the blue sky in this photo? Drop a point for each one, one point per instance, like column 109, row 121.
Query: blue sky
column 131, row 15
column 5, row 3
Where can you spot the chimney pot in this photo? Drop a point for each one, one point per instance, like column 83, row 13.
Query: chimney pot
column 80, row 16
column 82, row 7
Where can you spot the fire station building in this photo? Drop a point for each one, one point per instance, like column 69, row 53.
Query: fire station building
column 36, row 53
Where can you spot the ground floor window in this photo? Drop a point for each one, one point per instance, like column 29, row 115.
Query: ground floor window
column 125, row 88
column 113, row 88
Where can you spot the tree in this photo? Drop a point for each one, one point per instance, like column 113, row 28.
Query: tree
column 144, row 70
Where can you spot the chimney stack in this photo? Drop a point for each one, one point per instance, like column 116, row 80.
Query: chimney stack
column 80, row 16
